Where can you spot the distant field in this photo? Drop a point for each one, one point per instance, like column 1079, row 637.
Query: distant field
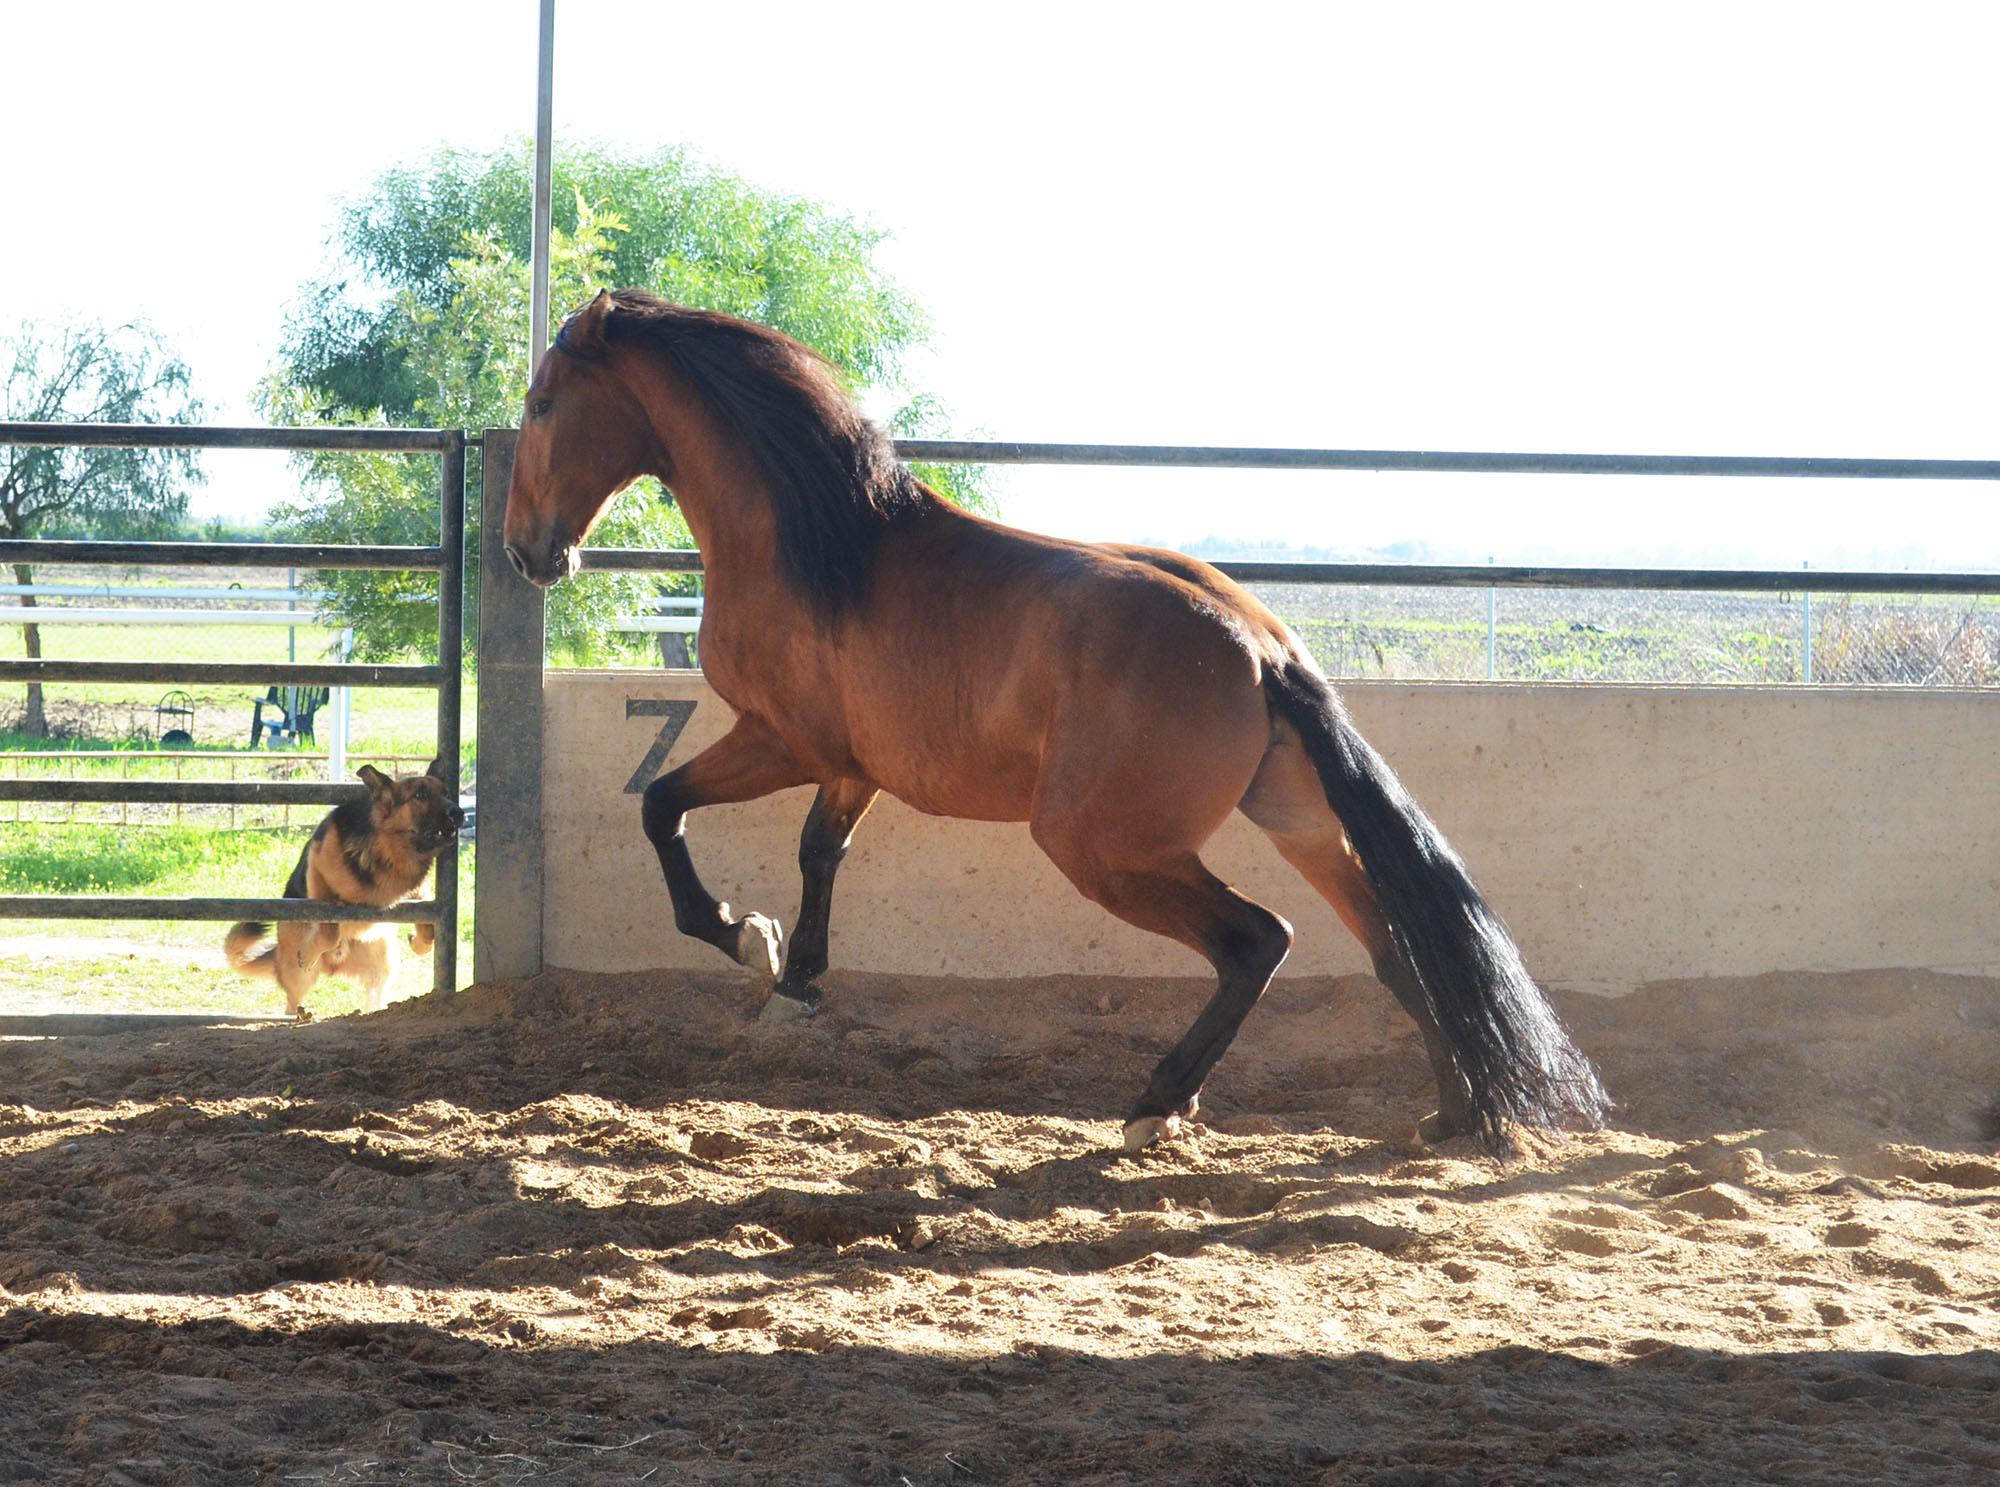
column 385, row 720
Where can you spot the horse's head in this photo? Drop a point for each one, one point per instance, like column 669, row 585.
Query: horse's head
column 584, row 438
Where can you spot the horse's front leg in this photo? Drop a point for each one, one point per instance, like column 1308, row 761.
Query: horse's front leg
column 748, row 761
column 836, row 811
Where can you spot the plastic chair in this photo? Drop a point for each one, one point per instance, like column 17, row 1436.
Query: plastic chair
column 293, row 707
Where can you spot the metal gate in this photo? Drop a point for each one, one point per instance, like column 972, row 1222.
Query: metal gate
column 447, row 560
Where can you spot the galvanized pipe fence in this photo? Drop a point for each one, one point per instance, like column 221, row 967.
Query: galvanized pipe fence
column 507, row 937
column 1444, row 575
column 446, row 559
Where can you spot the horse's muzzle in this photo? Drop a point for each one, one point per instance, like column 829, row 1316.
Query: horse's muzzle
column 553, row 566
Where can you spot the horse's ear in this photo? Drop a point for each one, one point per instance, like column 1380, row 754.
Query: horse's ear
column 584, row 335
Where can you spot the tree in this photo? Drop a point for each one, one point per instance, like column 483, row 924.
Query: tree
column 85, row 373
column 428, row 327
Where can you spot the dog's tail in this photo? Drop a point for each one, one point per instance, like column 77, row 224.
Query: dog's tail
column 242, row 939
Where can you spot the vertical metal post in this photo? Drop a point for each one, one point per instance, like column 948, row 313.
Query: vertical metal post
column 507, row 916
column 1806, row 600
column 451, row 659
column 1492, row 610
column 341, row 703
column 538, row 284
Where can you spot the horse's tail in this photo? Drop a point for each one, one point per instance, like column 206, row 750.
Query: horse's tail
column 1517, row 1061
column 243, row 937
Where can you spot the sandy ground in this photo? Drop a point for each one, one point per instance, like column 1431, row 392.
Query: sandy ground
column 608, row 1229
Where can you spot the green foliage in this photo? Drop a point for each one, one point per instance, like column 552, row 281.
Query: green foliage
column 429, row 329
column 88, row 373
column 695, row 234
column 82, row 372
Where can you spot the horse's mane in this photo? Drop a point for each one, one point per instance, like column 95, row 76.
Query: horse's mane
column 833, row 477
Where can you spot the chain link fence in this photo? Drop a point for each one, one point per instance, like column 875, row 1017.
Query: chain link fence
column 1620, row 635
column 1676, row 637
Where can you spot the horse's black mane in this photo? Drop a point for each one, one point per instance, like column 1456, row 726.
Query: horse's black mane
column 833, row 477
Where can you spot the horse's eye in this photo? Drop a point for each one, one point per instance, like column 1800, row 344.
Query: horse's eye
column 539, row 408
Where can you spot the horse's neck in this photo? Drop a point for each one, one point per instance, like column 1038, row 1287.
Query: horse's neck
column 732, row 548
column 711, row 476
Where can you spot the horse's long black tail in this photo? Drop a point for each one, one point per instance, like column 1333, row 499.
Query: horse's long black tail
column 1516, row 1059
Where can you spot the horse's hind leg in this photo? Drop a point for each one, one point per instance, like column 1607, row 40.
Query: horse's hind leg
column 747, row 762
column 1244, row 941
column 836, row 811
column 1289, row 804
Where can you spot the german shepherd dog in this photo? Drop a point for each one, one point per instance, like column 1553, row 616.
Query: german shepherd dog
column 374, row 851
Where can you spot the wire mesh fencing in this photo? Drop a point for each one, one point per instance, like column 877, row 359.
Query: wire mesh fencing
column 1693, row 638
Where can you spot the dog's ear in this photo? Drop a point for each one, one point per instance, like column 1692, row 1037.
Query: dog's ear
column 379, row 785
column 435, row 769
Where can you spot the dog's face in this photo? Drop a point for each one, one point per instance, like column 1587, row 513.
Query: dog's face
column 419, row 806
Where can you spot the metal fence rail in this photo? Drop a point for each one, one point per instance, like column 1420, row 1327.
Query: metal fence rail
column 180, row 792
column 1465, row 576
column 447, row 560
column 114, row 906
column 988, row 452
column 1471, row 576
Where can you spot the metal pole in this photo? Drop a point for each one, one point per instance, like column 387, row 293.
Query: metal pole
column 343, row 717
column 451, row 661
column 1492, row 608
column 538, row 311
column 507, row 910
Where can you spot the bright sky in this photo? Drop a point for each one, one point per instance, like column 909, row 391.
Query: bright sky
column 1701, row 228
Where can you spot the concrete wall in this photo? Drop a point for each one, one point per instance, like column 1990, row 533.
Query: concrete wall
column 1626, row 834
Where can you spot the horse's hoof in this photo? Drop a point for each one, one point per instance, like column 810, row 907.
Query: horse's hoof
column 760, row 944
column 1144, row 1130
column 1437, row 1128
column 781, row 1008
column 1141, row 1131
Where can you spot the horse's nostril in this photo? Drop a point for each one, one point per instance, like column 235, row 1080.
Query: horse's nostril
column 520, row 563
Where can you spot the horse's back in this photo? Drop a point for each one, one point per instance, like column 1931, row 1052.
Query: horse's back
column 996, row 673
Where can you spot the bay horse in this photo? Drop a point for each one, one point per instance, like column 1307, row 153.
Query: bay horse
column 1121, row 700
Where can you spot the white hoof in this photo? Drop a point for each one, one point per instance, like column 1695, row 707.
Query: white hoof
column 761, row 945
column 785, row 1009
column 1142, row 1133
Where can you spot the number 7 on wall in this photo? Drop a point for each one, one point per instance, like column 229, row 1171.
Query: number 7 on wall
column 676, row 714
